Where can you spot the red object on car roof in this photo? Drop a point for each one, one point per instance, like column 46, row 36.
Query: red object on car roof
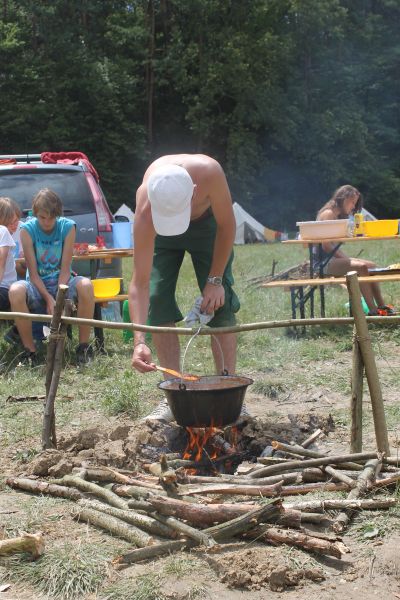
column 69, row 158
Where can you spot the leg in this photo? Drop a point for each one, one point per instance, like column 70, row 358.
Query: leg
column 168, row 349
column 227, row 344
column 19, row 303
column 85, row 299
column 370, row 291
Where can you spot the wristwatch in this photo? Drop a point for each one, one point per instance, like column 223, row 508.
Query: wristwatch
column 214, row 280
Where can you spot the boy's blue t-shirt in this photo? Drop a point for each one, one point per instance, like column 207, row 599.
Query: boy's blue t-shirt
column 48, row 246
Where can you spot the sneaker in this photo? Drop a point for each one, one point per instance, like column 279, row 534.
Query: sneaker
column 29, row 358
column 387, row 310
column 12, row 336
column 162, row 412
column 84, row 354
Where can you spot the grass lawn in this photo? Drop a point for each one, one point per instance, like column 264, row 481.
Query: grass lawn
column 293, row 372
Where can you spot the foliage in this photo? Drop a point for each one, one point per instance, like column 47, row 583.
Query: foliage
column 293, row 97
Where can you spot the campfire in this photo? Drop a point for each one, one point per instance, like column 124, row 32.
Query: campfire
column 205, row 487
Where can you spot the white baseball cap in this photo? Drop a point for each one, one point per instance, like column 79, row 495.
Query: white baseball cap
column 170, row 190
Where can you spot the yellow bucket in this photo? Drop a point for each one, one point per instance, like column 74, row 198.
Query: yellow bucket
column 381, row 228
column 106, row 288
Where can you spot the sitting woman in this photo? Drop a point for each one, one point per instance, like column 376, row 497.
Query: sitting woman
column 346, row 201
column 9, row 219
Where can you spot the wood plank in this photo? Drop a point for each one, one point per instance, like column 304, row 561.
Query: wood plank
column 117, row 298
column 317, row 282
column 343, row 239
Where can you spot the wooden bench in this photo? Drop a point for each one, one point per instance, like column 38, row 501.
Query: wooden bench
column 117, row 298
column 302, row 290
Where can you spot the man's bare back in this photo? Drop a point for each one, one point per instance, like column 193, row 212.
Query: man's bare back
column 203, row 170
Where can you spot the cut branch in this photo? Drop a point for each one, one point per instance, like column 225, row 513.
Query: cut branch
column 113, row 525
column 32, row 543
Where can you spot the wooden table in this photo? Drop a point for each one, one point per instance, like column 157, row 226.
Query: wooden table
column 107, row 255
column 300, row 295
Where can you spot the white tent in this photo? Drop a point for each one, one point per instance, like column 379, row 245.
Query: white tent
column 125, row 211
column 249, row 230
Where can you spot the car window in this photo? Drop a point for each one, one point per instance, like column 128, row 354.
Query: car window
column 71, row 186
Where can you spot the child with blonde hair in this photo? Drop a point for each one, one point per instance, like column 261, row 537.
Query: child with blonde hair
column 47, row 240
column 9, row 218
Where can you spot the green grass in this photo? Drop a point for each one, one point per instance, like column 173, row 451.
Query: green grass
column 279, row 360
column 67, row 571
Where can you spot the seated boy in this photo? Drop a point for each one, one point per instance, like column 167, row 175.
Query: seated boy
column 47, row 240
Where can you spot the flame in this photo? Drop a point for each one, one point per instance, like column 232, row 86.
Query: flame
column 198, row 438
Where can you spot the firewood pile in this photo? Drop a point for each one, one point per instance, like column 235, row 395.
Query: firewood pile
column 169, row 508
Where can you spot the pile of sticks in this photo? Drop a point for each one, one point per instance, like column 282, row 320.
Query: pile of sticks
column 166, row 510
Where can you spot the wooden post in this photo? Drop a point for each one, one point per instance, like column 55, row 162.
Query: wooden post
column 368, row 358
column 356, row 396
column 55, row 352
column 54, row 327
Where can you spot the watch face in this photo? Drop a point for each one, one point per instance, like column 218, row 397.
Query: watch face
column 215, row 280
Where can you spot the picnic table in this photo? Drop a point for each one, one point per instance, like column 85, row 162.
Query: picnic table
column 302, row 290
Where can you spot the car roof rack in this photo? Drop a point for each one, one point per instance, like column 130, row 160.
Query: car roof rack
column 27, row 158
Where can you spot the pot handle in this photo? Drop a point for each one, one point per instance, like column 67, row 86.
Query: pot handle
column 224, row 371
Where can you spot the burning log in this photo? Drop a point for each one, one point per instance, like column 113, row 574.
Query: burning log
column 366, row 476
column 43, row 487
column 114, row 526
column 313, row 462
column 132, row 517
column 32, row 543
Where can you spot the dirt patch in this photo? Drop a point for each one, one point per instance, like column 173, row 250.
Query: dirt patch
column 254, row 569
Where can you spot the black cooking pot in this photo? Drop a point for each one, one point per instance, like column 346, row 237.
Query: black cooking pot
column 210, row 401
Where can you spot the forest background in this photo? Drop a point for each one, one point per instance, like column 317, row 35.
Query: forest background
column 293, row 97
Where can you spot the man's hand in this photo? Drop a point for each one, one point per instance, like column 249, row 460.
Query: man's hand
column 213, row 298
column 141, row 358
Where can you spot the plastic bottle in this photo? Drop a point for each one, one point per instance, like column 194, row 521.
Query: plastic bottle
column 358, row 224
column 350, row 226
column 127, row 334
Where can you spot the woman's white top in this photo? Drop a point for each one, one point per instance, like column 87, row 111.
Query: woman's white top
column 10, row 274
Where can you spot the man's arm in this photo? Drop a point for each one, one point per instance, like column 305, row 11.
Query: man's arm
column 221, row 204
column 144, row 235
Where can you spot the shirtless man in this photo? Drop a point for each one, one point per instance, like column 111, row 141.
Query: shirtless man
column 183, row 204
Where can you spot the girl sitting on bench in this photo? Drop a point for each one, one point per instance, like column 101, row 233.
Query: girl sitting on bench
column 346, row 201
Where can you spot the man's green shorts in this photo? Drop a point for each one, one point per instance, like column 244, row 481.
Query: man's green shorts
column 169, row 251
